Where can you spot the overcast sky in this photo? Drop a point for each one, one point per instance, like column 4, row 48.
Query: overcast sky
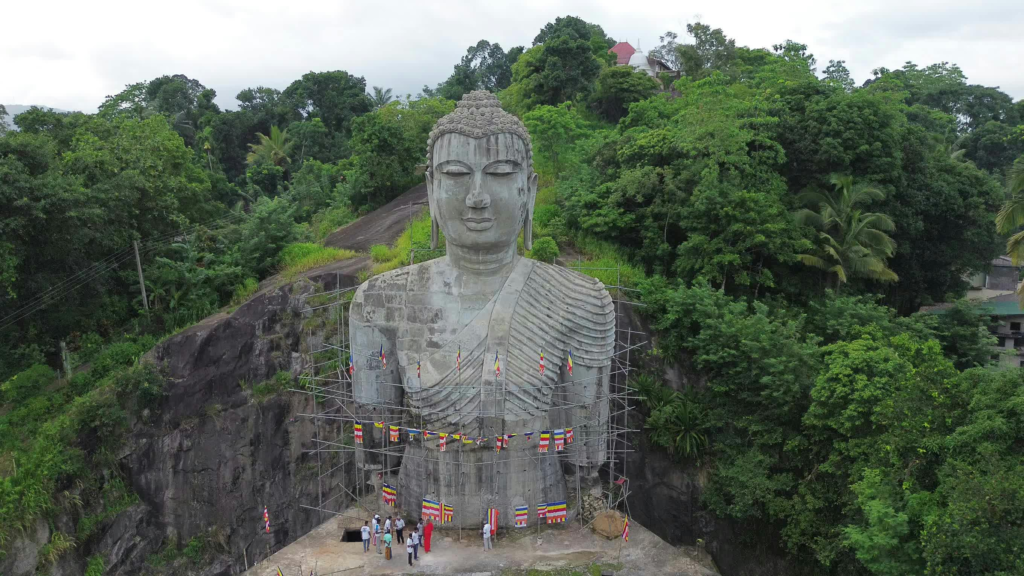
column 71, row 54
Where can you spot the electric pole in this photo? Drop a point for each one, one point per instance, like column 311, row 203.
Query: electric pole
column 142, row 283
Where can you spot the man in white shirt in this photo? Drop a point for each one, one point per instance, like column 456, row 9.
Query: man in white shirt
column 376, row 533
column 414, row 537
column 366, row 537
column 409, row 548
column 399, row 526
column 487, row 535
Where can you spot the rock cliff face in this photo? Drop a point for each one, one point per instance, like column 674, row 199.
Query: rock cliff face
column 208, row 460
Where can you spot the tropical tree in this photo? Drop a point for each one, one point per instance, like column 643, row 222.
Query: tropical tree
column 851, row 243
column 380, row 97
column 274, row 148
column 1011, row 215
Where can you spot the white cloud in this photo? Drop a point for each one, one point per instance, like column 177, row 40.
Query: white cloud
column 86, row 51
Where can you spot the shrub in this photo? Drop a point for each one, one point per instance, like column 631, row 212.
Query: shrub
column 244, row 291
column 380, row 253
column 26, row 384
column 544, row 249
column 96, row 566
column 326, row 222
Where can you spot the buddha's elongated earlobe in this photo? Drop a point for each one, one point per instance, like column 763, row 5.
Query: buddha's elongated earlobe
column 433, row 233
column 531, row 197
column 433, row 210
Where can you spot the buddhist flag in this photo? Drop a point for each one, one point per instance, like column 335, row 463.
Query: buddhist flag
column 359, row 432
column 390, row 495
column 556, row 512
column 417, row 368
column 467, row 440
column 497, row 444
column 429, row 434
column 394, row 433
column 529, row 435
column 447, row 514
column 568, row 363
column 541, row 362
column 522, row 512
column 497, row 366
column 444, row 441
column 384, row 360
column 458, row 359
column 266, row 518
column 413, row 432
column 279, row 573
column 625, row 530
column 379, row 424
column 569, row 436
column 559, row 440
column 351, row 365
column 542, row 511
column 504, row 439
column 431, row 509
column 545, row 439
column 492, row 519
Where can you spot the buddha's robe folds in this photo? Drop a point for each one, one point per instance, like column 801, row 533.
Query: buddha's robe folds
column 425, row 313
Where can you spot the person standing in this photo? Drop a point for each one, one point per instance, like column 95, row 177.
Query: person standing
column 408, row 548
column 487, row 535
column 399, row 526
column 387, row 525
column 415, row 539
column 366, row 537
column 428, row 531
column 376, row 534
column 387, row 545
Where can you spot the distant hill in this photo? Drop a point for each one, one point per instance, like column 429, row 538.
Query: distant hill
column 15, row 109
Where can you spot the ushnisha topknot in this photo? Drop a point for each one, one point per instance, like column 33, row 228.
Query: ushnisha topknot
column 477, row 115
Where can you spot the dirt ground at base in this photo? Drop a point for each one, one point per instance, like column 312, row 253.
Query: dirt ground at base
column 557, row 547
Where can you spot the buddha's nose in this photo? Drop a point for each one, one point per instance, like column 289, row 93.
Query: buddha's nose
column 477, row 198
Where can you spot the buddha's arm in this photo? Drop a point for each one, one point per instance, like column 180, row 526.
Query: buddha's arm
column 586, row 391
column 371, row 384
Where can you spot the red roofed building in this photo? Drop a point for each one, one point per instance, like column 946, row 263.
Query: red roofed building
column 622, row 51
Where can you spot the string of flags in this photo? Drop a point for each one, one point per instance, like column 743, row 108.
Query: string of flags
column 266, row 518
column 562, row 437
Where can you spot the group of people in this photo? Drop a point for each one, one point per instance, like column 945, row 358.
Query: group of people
column 421, row 534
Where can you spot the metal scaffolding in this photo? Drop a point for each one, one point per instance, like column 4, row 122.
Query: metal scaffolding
column 327, row 381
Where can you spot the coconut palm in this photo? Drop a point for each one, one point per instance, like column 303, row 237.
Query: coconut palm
column 274, row 148
column 380, row 97
column 851, row 243
column 1011, row 216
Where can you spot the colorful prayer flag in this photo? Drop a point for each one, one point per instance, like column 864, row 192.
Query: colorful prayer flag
column 504, row 439
column 394, row 433
column 279, row 572
column 431, row 509
column 625, row 529
column 498, row 444
column 541, row 362
column 569, row 436
column 379, row 424
column 522, row 512
column 429, row 434
column 384, row 360
column 542, row 511
column 529, row 435
column 497, row 366
column 569, row 362
column 444, row 440
column 417, row 368
column 359, row 432
column 351, row 365
column 467, row 440
column 390, row 495
column 559, row 440
column 492, row 519
column 413, row 432
column 266, row 518
column 545, row 439
column 447, row 514
column 556, row 512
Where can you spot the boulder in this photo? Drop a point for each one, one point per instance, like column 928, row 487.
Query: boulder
column 608, row 524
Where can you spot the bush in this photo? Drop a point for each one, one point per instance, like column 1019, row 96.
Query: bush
column 326, row 222
column 96, row 566
column 380, row 253
column 26, row 384
column 244, row 291
column 544, row 249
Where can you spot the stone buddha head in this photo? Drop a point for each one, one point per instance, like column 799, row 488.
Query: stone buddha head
column 480, row 180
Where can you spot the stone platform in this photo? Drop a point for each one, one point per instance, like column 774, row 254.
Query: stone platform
column 556, row 547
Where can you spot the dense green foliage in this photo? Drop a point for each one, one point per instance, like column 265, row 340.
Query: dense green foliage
column 782, row 225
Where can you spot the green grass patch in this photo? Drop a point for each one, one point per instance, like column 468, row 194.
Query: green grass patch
column 269, row 388
column 116, row 499
column 304, row 256
column 326, row 222
column 244, row 291
column 96, row 566
column 415, row 237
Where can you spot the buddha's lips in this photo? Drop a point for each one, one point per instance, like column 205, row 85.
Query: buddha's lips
column 478, row 220
column 478, row 224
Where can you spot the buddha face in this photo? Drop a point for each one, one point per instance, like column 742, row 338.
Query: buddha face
column 480, row 189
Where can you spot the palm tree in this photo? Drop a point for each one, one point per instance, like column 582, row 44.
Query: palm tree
column 273, row 148
column 851, row 243
column 380, row 97
column 1011, row 216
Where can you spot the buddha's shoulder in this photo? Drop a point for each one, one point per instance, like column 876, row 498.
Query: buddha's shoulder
column 569, row 284
column 404, row 279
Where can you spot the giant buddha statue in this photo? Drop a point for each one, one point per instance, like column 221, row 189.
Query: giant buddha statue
column 442, row 324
